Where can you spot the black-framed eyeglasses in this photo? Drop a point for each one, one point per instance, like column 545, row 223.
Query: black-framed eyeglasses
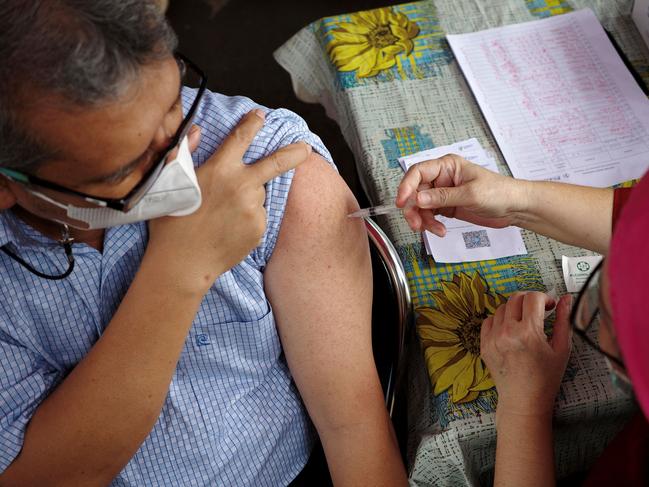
column 133, row 197
column 585, row 312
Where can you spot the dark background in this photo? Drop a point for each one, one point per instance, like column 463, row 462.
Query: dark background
column 233, row 42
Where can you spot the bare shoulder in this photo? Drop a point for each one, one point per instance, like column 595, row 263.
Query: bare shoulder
column 317, row 185
column 317, row 206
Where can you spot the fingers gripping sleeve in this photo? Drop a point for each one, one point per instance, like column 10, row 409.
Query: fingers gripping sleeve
column 282, row 128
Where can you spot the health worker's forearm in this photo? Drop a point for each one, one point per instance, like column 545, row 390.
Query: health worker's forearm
column 86, row 431
column 524, row 451
column 575, row 215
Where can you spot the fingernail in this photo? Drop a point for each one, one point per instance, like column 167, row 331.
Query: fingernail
column 424, row 198
column 260, row 113
column 309, row 149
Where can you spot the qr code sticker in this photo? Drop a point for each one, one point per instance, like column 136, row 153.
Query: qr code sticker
column 476, row 240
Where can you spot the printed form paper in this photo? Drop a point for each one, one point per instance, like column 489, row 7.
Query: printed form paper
column 558, row 99
column 466, row 242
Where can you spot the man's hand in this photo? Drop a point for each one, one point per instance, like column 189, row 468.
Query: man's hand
column 526, row 367
column 454, row 187
column 232, row 218
column 91, row 425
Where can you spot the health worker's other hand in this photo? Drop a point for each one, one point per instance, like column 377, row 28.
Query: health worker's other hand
column 454, row 187
column 527, row 368
column 231, row 219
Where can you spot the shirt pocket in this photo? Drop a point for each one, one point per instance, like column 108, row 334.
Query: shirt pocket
column 233, row 350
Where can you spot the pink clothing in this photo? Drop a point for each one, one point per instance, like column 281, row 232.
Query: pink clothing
column 620, row 197
column 624, row 462
column 628, row 273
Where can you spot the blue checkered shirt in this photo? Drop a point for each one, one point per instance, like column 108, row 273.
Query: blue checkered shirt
column 232, row 415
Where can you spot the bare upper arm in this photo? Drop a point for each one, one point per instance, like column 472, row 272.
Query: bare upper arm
column 319, row 283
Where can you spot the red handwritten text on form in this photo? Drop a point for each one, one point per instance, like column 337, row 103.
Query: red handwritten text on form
column 559, row 101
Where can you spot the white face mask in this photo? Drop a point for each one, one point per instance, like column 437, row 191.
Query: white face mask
column 174, row 193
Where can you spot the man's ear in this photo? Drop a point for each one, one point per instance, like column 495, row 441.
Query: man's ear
column 7, row 196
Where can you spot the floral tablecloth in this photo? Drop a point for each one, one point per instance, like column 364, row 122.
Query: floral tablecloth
column 389, row 78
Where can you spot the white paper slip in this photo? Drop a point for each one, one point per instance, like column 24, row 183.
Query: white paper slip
column 559, row 100
column 470, row 149
column 577, row 269
column 466, row 242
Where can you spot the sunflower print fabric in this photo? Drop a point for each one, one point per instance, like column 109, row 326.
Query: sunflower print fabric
column 450, row 336
column 370, row 42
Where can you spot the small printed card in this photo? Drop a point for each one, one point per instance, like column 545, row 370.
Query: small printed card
column 577, row 269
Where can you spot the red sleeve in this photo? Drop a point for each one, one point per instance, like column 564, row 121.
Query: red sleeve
column 624, row 461
column 620, row 197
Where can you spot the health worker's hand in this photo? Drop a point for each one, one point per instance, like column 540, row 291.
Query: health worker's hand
column 526, row 366
column 231, row 219
column 454, row 187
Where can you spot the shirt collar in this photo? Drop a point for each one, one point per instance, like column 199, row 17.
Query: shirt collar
column 14, row 230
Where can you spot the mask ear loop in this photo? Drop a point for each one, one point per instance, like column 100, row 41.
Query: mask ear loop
column 66, row 241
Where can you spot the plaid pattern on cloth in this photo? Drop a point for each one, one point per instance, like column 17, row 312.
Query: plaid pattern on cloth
column 233, row 415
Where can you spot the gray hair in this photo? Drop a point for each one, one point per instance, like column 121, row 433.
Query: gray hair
column 85, row 51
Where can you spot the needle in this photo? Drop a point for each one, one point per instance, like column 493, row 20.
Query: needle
column 380, row 210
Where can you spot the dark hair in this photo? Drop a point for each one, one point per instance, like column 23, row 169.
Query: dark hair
column 85, row 51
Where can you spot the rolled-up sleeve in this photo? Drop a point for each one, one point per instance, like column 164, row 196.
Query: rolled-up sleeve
column 218, row 115
column 282, row 128
column 25, row 381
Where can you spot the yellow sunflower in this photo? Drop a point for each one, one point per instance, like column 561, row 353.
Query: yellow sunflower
column 450, row 335
column 370, row 42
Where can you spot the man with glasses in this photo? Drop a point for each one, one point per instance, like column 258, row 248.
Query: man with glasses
column 527, row 367
column 175, row 297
